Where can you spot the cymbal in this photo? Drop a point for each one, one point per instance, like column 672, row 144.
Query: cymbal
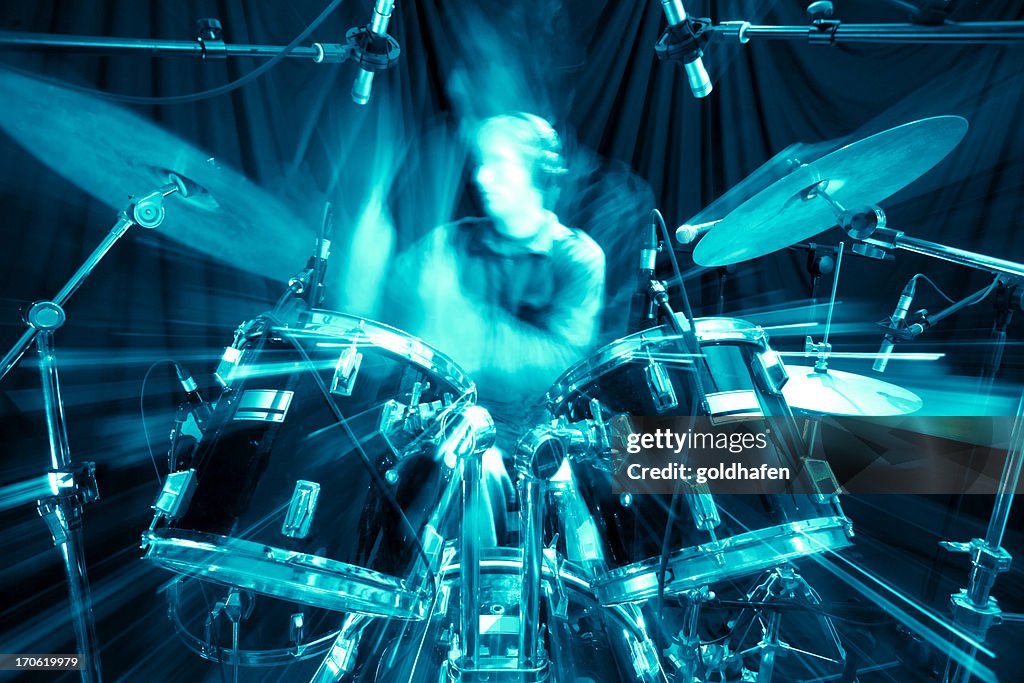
column 110, row 153
column 860, row 174
column 843, row 393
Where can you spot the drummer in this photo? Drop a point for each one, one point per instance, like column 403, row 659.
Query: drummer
column 514, row 297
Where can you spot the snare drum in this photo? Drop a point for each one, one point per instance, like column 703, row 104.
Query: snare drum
column 318, row 478
column 622, row 537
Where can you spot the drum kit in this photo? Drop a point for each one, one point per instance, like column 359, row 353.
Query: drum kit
column 326, row 509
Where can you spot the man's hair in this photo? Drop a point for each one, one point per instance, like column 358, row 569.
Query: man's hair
column 539, row 145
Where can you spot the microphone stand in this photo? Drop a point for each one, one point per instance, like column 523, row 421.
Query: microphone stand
column 973, row 606
column 833, row 32
column 73, row 486
column 373, row 52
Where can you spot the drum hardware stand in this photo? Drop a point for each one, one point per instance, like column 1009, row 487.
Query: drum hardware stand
column 685, row 651
column 573, row 441
column 974, row 608
column 824, row 349
column 783, row 583
column 723, row 273
column 74, row 486
column 209, row 45
column 825, row 31
column 233, row 609
column 818, row 264
column 1008, row 299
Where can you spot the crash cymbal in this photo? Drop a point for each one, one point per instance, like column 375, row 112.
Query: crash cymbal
column 860, row 174
column 110, row 153
column 843, row 393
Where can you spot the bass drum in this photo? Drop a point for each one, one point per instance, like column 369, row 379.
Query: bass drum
column 704, row 538
column 585, row 642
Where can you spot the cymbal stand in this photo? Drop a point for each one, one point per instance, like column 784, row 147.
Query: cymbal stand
column 1008, row 300
column 74, row 486
column 973, row 607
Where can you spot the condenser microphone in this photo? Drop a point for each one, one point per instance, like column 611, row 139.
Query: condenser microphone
column 696, row 74
column 687, row 233
column 202, row 409
column 642, row 314
column 898, row 316
column 377, row 27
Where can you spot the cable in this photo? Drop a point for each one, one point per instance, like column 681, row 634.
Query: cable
column 142, row 410
column 922, row 276
column 202, row 94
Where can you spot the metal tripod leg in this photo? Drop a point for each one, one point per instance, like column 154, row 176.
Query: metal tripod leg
column 782, row 582
column 71, row 487
column 62, row 512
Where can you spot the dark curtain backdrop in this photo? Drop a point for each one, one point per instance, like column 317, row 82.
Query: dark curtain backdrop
column 635, row 139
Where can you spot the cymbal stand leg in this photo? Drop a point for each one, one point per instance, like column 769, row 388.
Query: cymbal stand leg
column 235, row 613
column 782, row 582
column 974, row 608
column 71, row 486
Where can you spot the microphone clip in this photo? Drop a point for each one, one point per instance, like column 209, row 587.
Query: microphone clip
column 904, row 330
column 372, row 51
column 683, row 42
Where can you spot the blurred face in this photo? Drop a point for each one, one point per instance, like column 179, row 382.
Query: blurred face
column 505, row 179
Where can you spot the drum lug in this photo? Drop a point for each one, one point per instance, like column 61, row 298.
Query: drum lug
column 771, row 371
column 602, row 439
column 663, row 394
column 226, row 367
column 175, row 496
column 301, row 509
column 297, row 630
column 345, row 371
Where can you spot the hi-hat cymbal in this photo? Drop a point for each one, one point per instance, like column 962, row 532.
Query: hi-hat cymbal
column 110, row 152
column 843, row 393
column 860, row 174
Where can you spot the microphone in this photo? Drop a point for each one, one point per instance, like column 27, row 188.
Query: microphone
column 642, row 314
column 378, row 28
column 318, row 261
column 696, row 74
column 687, row 233
column 201, row 408
column 898, row 316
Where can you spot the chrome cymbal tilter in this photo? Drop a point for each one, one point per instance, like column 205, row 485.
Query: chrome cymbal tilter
column 74, row 486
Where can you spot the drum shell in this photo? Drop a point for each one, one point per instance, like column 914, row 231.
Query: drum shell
column 621, row 535
column 383, row 493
